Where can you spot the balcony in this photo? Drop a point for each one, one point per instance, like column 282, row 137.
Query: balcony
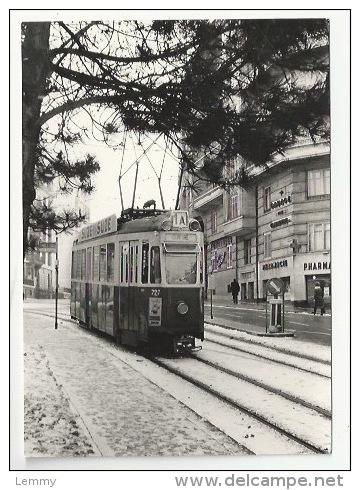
column 241, row 226
column 207, row 199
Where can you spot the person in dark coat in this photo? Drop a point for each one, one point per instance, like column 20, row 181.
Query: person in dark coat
column 319, row 299
column 235, row 288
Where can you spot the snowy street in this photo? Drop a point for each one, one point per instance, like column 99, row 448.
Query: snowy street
column 86, row 396
column 79, row 400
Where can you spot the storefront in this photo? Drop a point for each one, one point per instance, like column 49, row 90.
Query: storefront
column 281, row 268
column 309, row 268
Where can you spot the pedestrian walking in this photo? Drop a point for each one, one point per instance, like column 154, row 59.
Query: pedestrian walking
column 235, row 288
column 319, row 298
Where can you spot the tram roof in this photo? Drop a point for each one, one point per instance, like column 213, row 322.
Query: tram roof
column 143, row 221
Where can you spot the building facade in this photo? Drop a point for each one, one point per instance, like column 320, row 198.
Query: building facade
column 279, row 226
column 39, row 274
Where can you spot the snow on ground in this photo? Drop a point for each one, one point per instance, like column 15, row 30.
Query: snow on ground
column 287, row 344
column 77, row 384
column 51, row 426
column 268, row 353
column 302, row 385
column 73, row 384
column 296, row 419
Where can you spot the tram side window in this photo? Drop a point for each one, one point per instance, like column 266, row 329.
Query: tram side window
column 133, row 264
column 121, row 263
column 124, row 263
column 103, row 263
column 136, row 257
column 78, row 264
column 110, row 261
column 145, row 263
column 83, row 264
column 73, row 265
column 155, row 271
column 88, row 264
column 95, row 269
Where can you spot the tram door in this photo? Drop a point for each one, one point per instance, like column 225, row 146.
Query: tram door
column 129, row 271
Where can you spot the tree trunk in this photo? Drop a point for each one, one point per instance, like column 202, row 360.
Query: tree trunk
column 35, row 70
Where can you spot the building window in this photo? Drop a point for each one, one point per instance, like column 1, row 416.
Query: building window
column 213, row 222
column 233, row 207
column 319, row 236
column 267, row 199
column 229, row 257
column 267, row 245
column 318, row 183
column 247, row 252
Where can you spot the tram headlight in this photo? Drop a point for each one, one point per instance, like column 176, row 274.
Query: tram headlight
column 194, row 225
column 182, row 308
column 166, row 225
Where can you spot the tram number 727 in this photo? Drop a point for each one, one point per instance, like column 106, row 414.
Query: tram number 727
column 155, row 292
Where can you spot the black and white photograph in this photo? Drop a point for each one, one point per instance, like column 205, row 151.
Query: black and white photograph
column 181, row 295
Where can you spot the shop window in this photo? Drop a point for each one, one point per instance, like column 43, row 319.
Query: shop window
column 243, row 292
column 318, row 183
column 250, row 294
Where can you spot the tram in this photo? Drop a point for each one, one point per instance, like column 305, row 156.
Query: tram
column 139, row 278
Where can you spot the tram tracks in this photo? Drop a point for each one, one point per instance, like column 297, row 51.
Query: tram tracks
column 269, row 408
column 302, row 362
column 266, row 387
column 278, row 419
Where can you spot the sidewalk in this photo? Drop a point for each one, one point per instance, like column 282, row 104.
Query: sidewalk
column 226, row 301
column 247, row 328
column 83, row 398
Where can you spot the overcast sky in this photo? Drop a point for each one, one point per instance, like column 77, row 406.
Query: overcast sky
column 106, row 199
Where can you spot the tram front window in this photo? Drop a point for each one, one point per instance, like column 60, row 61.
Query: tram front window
column 181, row 269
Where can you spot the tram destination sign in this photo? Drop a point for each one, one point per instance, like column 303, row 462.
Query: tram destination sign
column 99, row 228
column 180, row 219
